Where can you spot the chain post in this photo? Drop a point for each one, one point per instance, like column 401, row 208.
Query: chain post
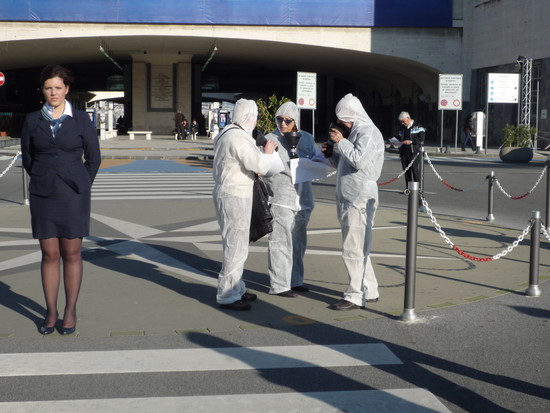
column 409, row 313
column 491, row 178
column 25, row 187
column 421, row 167
column 534, row 290
column 547, row 220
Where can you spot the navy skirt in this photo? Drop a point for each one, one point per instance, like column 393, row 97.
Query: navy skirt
column 64, row 214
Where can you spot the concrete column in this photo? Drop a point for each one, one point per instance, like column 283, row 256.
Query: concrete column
column 139, row 96
column 160, row 121
column 184, row 89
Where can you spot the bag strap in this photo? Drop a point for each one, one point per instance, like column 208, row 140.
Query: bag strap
column 228, row 127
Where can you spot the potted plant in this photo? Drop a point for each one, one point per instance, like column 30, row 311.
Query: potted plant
column 266, row 113
column 517, row 143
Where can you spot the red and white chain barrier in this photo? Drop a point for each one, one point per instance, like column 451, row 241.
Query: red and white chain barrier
column 409, row 166
column 10, row 165
column 525, row 194
column 448, row 185
column 482, row 182
column 471, row 257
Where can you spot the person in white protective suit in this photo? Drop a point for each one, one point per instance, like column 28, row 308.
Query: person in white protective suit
column 291, row 206
column 236, row 160
column 358, row 160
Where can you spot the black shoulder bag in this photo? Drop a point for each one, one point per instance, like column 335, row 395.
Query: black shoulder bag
column 261, row 219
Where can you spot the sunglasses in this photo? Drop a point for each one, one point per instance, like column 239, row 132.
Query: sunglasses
column 286, row 121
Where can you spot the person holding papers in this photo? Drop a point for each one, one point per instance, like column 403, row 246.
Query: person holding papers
column 411, row 135
column 358, row 160
column 291, row 206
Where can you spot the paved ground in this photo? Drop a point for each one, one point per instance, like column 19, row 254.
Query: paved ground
column 151, row 267
column 162, row 243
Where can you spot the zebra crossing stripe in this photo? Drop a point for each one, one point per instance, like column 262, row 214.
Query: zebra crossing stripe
column 110, row 187
column 361, row 401
column 193, row 175
column 199, row 359
column 153, row 197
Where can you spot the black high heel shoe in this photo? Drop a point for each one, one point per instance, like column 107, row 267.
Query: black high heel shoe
column 67, row 330
column 48, row 330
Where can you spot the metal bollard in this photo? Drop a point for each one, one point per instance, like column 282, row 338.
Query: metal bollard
column 421, row 152
column 410, row 262
column 25, row 188
column 421, row 188
column 547, row 220
column 491, row 178
column 534, row 290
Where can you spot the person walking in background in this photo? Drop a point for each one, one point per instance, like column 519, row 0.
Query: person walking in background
column 236, row 160
column 467, row 137
column 411, row 135
column 178, row 122
column 358, row 161
column 291, row 206
column 60, row 151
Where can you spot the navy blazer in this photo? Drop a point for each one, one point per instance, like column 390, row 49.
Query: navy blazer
column 47, row 159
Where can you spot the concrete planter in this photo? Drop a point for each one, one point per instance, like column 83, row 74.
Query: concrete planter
column 513, row 154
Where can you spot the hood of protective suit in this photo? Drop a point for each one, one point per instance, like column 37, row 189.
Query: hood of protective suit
column 289, row 110
column 350, row 109
column 245, row 114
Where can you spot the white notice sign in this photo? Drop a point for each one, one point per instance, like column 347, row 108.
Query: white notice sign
column 306, row 95
column 450, row 92
column 503, row 88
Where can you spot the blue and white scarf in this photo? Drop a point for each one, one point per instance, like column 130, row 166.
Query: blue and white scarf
column 54, row 123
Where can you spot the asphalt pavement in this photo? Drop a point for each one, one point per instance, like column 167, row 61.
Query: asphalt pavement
column 477, row 342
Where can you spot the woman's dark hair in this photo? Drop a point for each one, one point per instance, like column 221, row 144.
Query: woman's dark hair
column 56, row 71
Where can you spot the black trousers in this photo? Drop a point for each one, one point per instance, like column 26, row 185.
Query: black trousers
column 407, row 155
column 468, row 140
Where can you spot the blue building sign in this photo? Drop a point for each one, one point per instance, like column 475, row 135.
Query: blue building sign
column 329, row 13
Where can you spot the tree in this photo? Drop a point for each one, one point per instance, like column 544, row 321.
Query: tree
column 266, row 113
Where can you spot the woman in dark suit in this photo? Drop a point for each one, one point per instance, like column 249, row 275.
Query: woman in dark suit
column 61, row 155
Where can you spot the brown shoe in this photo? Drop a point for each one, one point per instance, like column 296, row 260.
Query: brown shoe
column 288, row 294
column 249, row 297
column 343, row 305
column 237, row 305
column 300, row 288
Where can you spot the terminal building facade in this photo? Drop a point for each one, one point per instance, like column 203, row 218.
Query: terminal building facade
column 181, row 54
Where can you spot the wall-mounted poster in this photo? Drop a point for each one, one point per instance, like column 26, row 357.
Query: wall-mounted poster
column 161, row 96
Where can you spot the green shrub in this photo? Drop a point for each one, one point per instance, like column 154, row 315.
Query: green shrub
column 517, row 136
column 266, row 113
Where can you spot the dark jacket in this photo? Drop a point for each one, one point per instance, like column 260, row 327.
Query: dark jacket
column 469, row 126
column 416, row 133
column 47, row 159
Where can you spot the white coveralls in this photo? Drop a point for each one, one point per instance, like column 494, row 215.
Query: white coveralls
column 359, row 161
column 236, row 159
column 291, row 206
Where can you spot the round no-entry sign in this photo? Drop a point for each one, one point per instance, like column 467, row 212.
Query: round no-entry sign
column 2, row 78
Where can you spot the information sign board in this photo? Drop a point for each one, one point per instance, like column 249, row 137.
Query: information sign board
column 503, row 88
column 450, row 92
column 306, row 94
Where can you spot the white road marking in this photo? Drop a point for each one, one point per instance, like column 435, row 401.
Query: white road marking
column 390, row 400
column 195, row 359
